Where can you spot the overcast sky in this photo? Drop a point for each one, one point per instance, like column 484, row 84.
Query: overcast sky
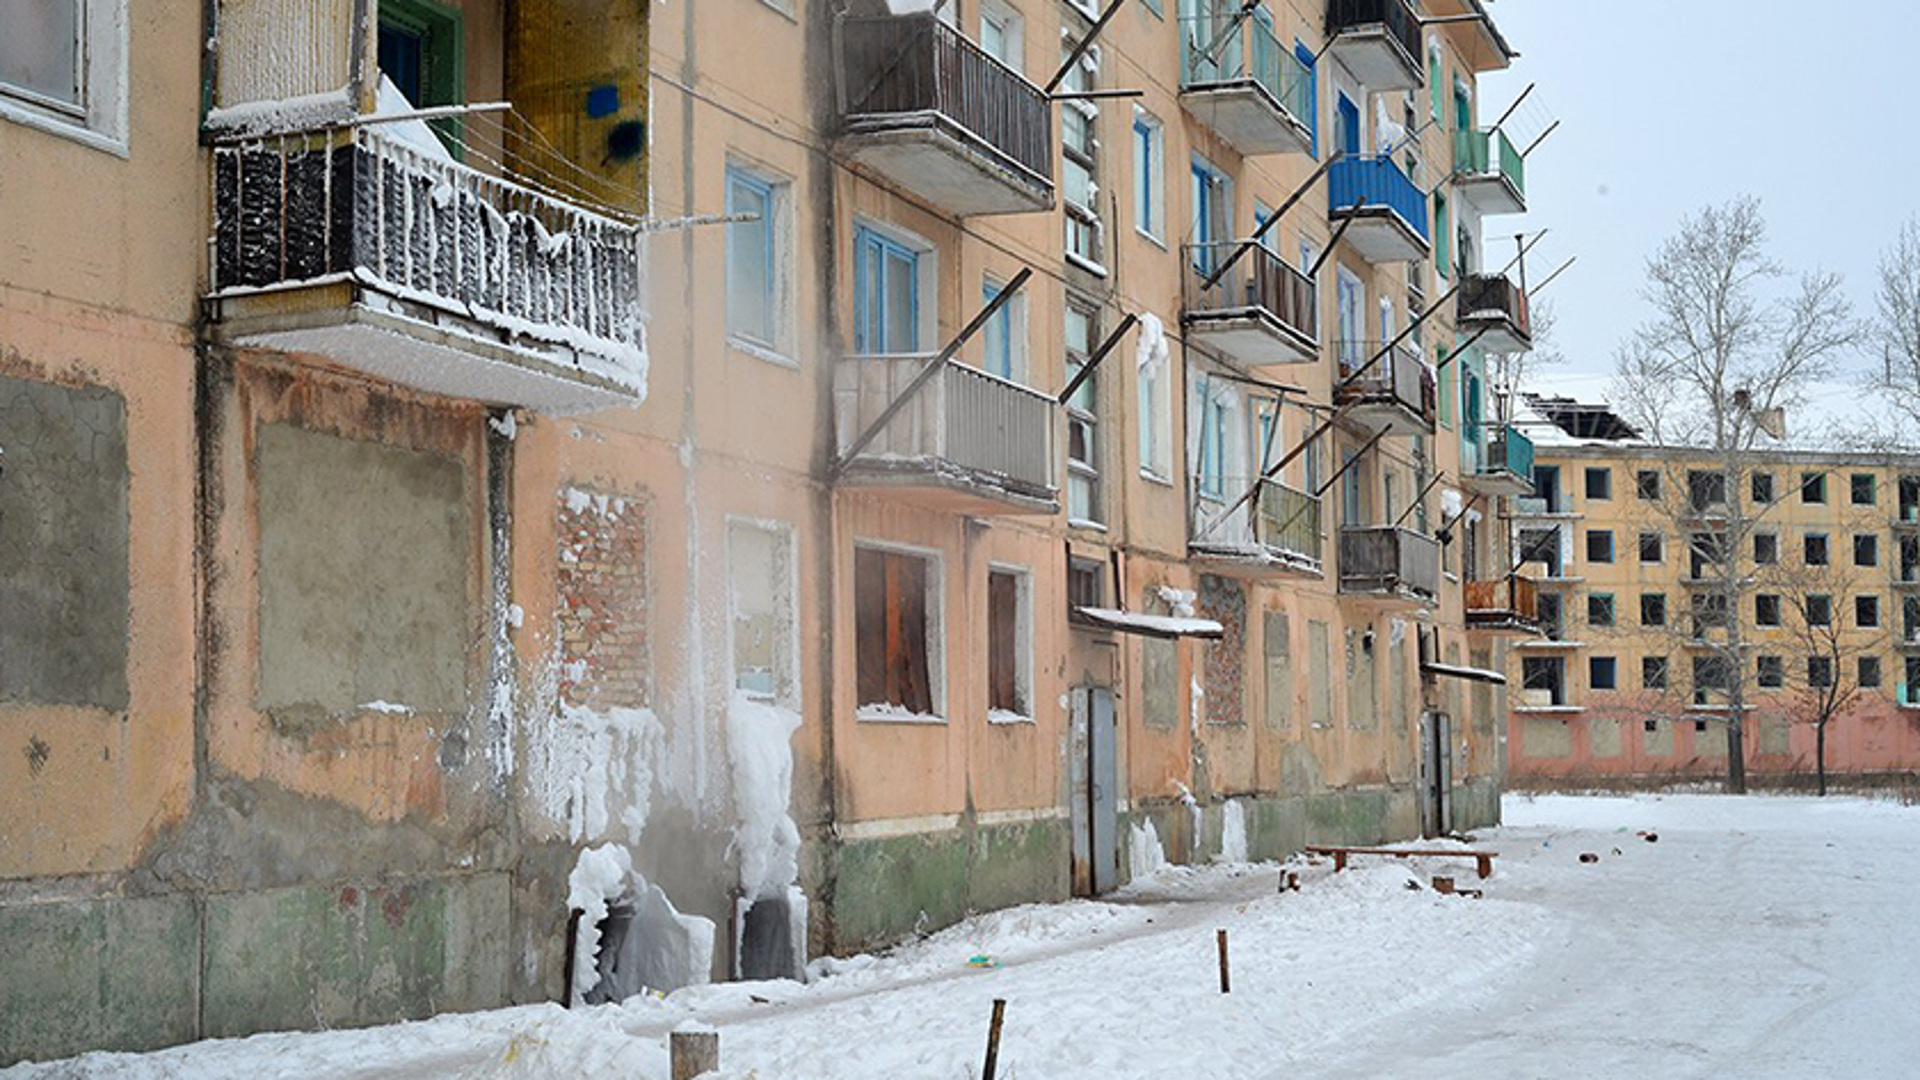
column 1669, row 105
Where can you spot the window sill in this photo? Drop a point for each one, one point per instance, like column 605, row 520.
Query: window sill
column 1086, row 264
column 1150, row 238
column 1083, row 523
column 62, row 127
column 1003, row 718
column 894, row 714
column 1154, row 477
column 762, row 353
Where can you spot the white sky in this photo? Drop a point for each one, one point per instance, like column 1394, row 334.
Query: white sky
column 1670, row 105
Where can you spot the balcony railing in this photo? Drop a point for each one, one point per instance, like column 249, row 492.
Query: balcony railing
column 1488, row 154
column 1400, row 379
column 1389, row 560
column 1289, row 520
column 1378, row 179
column 911, row 66
column 1510, row 451
column 1392, row 22
column 1494, row 306
column 974, row 428
column 1259, row 284
column 1219, row 51
column 361, row 206
column 1511, row 601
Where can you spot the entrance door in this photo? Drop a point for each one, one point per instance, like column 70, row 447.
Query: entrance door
column 1103, row 784
column 1438, row 811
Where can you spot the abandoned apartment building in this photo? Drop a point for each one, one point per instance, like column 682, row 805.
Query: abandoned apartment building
column 525, row 502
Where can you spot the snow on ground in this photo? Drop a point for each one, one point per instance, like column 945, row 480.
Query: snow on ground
column 1757, row 937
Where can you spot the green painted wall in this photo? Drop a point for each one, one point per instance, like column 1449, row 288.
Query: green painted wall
column 96, row 975
column 893, row 887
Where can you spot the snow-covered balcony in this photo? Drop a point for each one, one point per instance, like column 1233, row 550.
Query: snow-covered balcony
column 966, row 441
column 1389, row 210
column 1259, row 311
column 1503, row 467
column 1237, row 78
column 1489, row 172
column 1277, row 532
column 1379, row 41
column 1390, row 566
column 380, row 253
column 1494, row 308
column 1510, row 605
column 1397, row 394
column 940, row 117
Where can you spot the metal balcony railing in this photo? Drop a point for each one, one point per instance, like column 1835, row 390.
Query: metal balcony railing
column 1377, row 179
column 359, row 204
column 1258, row 283
column 1486, row 297
column 1289, row 520
column 1400, row 378
column 1489, row 153
column 1514, row 597
column 1217, row 50
column 1494, row 450
column 916, row 64
column 1402, row 25
column 965, row 417
column 1389, row 560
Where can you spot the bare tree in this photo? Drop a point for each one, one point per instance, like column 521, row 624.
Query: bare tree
column 1824, row 679
column 1896, row 323
column 1725, row 353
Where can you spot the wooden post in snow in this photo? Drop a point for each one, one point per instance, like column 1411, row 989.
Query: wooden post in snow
column 993, row 1038
column 1226, row 982
column 694, row 1052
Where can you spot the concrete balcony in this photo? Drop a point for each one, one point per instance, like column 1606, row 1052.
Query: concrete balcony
column 1389, row 566
column 1389, row 211
column 1398, row 394
column 1504, row 467
column 1489, row 172
column 1275, row 535
column 967, row 442
column 1379, row 41
column 1493, row 307
column 1261, row 311
column 1508, row 606
column 380, row 256
column 1237, row 78
column 937, row 116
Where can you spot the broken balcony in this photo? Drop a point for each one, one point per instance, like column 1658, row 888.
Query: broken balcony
column 1237, row 78
column 1510, row 605
column 1378, row 41
column 1388, row 210
column 1489, row 172
column 1493, row 309
column 936, row 115
column 1504, row 467
column 384, row 257
column 1278, row 532
column 1389, row 565
column 1258, row 310
column 1396, row 394
column 965, row 441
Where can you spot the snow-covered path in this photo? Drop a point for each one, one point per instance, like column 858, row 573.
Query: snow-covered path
column 1762, row 937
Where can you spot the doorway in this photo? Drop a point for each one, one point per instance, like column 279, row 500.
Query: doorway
column 1095, row 809
column 1437, row 771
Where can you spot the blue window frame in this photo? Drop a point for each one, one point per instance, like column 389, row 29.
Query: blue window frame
column 886, row 294
column 998, row 332
column 753, row 308
column 1306, row 58
column 1349, row 130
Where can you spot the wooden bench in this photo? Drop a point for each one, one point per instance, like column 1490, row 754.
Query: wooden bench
column 1482, row 860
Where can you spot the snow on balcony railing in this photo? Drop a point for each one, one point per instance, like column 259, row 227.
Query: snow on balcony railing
column 965, row 418
column 360, row 204
column 1218, row 49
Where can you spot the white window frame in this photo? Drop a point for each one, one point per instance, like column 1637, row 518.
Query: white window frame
column 1088, row 470
column 780, row 277
column 1154, row 375
column 1013, row 317
column 1088, row 158
column 100, row 120
column 936, row 635
column 1013, row 31
column 1149, row 190
column 1023, row 650
column 786, row 684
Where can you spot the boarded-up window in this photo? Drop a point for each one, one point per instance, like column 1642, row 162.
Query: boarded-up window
column 760, row 563
column 1397, row 674
column 1009, row 643
column 1319, row 684
column 1363, row 710
column 1279, row 688
column 1224, row 601
column 891, row 617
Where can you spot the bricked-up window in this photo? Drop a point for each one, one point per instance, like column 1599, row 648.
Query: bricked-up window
column 1224, row 661
column 603, row 601
column 894, row 625
column 1009, row 643
column 765, row 634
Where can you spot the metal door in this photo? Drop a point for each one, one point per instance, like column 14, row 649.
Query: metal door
column 1440, row 774
column 1103, row 784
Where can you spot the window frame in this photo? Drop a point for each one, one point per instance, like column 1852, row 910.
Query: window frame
column 1600, row 534
column 1083, row 409
column 777, row 194
column 1602, row 604
column 1761, row 601
column 887, row 244
column 1642, row 489
column 787, row 675
column 1604, row 491
column 1813, row 489
column 1149, row 143
column 1658, row 607
column 1597, row 664
column 1659, row 547
column 1022, row 646
column 934, row 635
column 1807, row 547
column 99, row 120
